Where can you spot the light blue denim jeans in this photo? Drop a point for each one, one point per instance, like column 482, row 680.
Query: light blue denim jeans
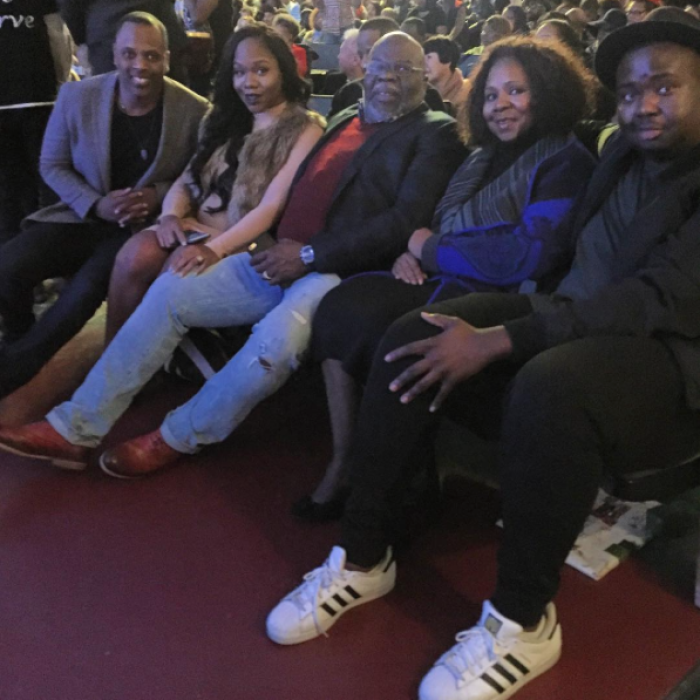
column 231, row 293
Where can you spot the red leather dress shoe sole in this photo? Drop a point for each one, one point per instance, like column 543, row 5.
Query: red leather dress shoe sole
column 117, row 475
column 60, row 462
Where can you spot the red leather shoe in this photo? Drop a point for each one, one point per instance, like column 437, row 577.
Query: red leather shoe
column 41, row 441
column 139, row 457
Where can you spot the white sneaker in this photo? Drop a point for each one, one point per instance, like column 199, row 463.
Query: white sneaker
column 327, row 592
column 494, row 659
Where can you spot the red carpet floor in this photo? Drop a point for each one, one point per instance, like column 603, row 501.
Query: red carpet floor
column 158, row 590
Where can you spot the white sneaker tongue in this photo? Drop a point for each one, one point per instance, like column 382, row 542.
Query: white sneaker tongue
column 498, row 626
column 336, row 560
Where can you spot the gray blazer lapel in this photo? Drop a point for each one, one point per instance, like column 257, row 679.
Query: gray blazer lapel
column 102, row 134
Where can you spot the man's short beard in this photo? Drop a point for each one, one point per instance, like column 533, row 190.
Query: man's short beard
column 376, row 115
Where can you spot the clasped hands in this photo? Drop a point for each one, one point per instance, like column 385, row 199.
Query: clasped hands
column 457, row 353
column 128, row 206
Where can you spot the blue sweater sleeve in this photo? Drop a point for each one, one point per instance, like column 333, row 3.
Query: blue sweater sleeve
column 505, row 254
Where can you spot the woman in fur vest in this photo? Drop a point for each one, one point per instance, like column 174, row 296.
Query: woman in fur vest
column 236, row 185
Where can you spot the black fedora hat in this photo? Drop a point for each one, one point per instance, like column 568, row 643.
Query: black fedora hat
column 665, row 24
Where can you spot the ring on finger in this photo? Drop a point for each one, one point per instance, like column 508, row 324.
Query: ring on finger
column 266, row 276
column 199, row 259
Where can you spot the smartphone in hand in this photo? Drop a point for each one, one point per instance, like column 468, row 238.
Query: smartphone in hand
column 192, row 236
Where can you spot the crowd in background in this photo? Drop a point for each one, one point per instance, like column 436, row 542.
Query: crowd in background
column 467, row 234
column 75, row 39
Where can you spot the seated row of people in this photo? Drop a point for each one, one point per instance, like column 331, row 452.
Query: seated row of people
column 562, row 317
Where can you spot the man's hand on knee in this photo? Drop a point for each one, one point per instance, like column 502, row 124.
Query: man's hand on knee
column 280, row 264
column 451, row 357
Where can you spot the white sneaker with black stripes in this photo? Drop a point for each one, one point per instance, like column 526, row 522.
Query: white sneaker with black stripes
column 494, row 659
column 327, row 592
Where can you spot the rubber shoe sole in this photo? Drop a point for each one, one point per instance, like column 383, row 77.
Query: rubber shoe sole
column 116, row 475
column 66, row 464
column 289, row 640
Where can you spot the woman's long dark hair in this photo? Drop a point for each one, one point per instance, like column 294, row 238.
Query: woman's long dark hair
column 230, row 119
column 562, row 88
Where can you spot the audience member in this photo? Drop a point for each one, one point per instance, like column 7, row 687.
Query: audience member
column 390, row 13
column 501, row 226
column 374, row 9
column 494, row 29
column 376, row 176
column 293, row 8
column 441, row 56
column 349, row 63
column 637, row 10
column 113, row 146
column 601, row 375
column 95, row 23
column 518, row 20
column 35, row 59
column 534, row 9
column 315, row 35
column 432, row 15
column 338, row 17
column 267, row 14
column 402, row 7
column 561, row 31
column 225, row 192
column 415, row 27
column 201, row 18
column 590, row 7
column 611, row 21
column 577, row 18
column 288, row 28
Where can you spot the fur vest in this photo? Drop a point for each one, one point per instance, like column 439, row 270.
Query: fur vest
column 263, row 155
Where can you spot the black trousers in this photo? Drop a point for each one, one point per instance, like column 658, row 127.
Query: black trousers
column 353, row 317
column 83, row 252
column 613, row 403
column 22, row 191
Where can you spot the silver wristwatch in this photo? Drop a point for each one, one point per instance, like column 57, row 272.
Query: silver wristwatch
column 307, row 255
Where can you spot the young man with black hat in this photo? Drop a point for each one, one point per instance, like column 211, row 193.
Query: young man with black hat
column 602, row 375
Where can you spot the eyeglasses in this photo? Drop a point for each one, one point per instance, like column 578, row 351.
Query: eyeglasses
column 399, row 69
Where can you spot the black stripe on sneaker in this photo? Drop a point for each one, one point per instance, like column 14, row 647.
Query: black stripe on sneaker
column 353, row 592
column 343, row 603
column 514, row 662
column 506, row 674
column 329, row 609
column 489, row 681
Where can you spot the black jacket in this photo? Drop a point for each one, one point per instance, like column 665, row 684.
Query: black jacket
column 655, row 290
column 390, row 189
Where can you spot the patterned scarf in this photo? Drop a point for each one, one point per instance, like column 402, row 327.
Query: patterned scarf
column 467, row 205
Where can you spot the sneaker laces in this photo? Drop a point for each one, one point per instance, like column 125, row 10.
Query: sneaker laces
column 474, row 652
column 309, row 593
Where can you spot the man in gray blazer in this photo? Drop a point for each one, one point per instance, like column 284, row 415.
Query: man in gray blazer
column 113, row 146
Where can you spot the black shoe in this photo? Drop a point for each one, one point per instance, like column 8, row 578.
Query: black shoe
column 310, row 511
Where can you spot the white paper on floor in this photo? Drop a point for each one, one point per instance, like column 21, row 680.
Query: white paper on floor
column 614, row 529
